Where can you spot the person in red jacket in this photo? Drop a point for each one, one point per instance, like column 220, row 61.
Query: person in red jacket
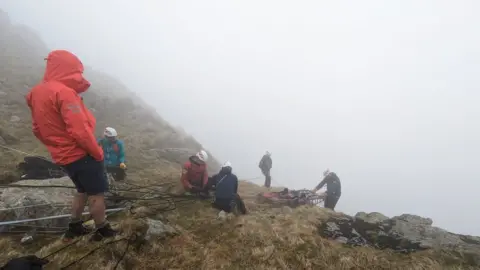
column 194, row 175
column 64, row 125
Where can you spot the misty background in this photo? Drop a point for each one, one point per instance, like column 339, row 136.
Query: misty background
column 384, row 93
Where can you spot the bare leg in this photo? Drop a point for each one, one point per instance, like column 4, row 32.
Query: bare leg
column 78, row 204
column 97, row 209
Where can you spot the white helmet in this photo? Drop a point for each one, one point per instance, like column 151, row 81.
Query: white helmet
column 326, row 172
column 268, row 153
column 202, row 155
column 227, row 164
column 110, row 132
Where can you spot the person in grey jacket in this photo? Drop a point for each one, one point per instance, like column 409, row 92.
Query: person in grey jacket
column 334, row 189
column 266, row 165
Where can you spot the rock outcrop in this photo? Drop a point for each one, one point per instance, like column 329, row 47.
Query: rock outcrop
column 405, row 233
column 18, row 203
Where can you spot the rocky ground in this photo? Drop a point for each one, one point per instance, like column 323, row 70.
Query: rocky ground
column 405, row 234
column 193, row 236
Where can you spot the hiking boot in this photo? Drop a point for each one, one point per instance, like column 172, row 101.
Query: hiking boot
column 75, row 229
column 104, row 232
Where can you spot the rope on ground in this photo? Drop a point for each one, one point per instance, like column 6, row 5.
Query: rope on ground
column 129, row 240
column 170, row 200
column 34, row 205
column 93, row 251
column 10, row 222
column 250, row 179
column 21, row 152
column 34, row 186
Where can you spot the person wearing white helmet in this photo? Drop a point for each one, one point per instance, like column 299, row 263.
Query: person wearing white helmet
column 266, row 165
column 334, row 189
column 114, row 152
column 226, row 191
column 194, row 174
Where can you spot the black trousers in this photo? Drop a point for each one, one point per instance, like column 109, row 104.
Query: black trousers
column 229, row 205
column 268, row 178
column 331, row 201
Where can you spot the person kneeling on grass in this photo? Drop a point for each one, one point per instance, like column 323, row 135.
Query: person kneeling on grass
column 226, row 191
column 194, row 175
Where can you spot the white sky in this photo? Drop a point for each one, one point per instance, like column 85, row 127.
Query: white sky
column 384, row 93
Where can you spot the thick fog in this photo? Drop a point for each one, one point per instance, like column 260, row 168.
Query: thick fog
column 385, row 93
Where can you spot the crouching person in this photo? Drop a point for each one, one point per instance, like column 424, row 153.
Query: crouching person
column 226, row 187
column 194, row 175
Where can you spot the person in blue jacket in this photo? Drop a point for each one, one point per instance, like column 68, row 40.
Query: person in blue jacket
column 226, row 191
column 114, row 152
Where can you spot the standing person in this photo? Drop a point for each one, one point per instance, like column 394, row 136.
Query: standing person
column 266, row 165
column 194, row 174
column 226, row 190
column 66, row 127
column 334, row 189
column 114, row 151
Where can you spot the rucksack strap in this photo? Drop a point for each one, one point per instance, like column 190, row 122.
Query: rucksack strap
column 220, row 181
column 115, row 146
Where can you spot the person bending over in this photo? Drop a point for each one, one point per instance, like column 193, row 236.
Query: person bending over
column 334, row 189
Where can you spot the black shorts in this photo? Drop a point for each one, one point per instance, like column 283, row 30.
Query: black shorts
column 88, row 175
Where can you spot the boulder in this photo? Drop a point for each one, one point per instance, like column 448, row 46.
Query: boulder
column 414, row 219
column 419, row 232
column 18, row 203
column 158, row 229
column 28, row 203
column 371, row 218
column 365, row 222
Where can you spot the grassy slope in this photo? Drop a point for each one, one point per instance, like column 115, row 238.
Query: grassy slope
column 142, row 129
column 264, row 239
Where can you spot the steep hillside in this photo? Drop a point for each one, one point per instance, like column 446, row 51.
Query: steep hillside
column 149, row 138
column 189, row 235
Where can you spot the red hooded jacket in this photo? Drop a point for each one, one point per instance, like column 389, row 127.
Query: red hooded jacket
column 60, row 120
column 194, row 174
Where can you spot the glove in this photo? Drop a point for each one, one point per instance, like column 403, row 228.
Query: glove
column 123, row 166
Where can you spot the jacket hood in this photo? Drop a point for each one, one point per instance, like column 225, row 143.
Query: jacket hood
column 66, row 68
